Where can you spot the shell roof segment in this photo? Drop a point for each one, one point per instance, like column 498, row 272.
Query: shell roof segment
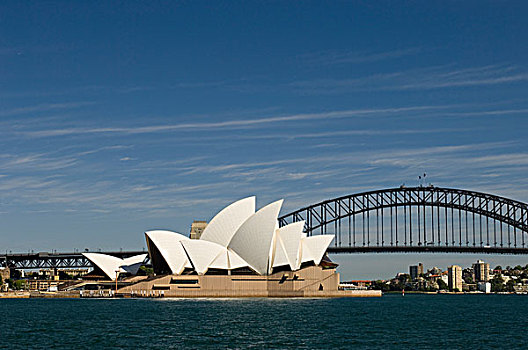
column 168, row 244
column 228, row 260
column 202, row 253
column 290, row 237
column 111, row 265
column 314, row 247
column 253, row 239
column 223, row 225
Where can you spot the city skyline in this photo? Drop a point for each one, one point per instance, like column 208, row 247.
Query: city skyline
column 115, row 120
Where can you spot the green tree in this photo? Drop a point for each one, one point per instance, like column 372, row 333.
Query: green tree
column 497, row 283
column 146, row 271
column 441, row 284
column 509, row 286
column 402, row 281
column 19, row 284
column 498, row 267
column 404, row 278
column 380, row 285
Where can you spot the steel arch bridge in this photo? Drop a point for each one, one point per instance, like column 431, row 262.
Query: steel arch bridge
column 404, row 219
column 418, row 219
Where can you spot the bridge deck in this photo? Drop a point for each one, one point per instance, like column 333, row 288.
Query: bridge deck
column 429, row 249
column 44, row 260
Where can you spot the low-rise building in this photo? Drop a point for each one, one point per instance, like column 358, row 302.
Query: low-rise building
column 42, row 285
column 484, row 287
column 520, row 288
column 355, row 284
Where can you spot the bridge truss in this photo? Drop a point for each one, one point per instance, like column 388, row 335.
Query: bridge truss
column 44, row 260
column 418, row 219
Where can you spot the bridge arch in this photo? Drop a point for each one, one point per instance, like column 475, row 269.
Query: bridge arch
column 419, row 219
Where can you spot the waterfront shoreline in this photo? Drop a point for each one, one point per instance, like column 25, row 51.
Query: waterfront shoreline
column 370, row 294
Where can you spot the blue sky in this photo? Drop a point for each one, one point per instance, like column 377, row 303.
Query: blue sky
column 126, row 116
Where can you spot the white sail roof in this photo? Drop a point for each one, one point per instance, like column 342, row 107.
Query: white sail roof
column 168, row 244
column 240, row 237
column 133, row 263
column 110, row 264
column 202, row 253
column 221, row 261
column 252, row 241
column 289, row 237
column 228, row 260
column 314, row 247
column 279, row 255
column 223, row 226
column 235, row 261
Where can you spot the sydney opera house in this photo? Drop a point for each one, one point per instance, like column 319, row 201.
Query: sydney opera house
column 242, row 252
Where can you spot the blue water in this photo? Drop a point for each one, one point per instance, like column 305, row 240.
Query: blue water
column 390, row 322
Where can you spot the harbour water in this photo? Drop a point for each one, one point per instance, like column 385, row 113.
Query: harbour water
column 390, row 322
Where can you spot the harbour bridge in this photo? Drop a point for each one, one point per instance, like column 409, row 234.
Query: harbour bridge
column 398, row 220
column 418, row 219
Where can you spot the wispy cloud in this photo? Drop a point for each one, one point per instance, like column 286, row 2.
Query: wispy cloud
column 196, row 186
column 437, row 77
column 90, row 90
column 358, row 132
column 24, row 183
column 36, row 162
column 380, row 157
column 341, row 57
column 489, row 112
column 102, row 149
column 429, row 155
column 487, row 75
column 501, row 160
column 229, row 124
column 45, row 107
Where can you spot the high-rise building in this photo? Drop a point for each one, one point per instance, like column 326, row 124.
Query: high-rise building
column 481, row 271
column 197, row 227
column 415, row 271
column 454, row 276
